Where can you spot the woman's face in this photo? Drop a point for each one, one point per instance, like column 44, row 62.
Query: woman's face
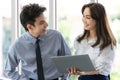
column 88, row 21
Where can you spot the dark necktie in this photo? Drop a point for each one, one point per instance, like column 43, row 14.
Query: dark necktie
column 39, row 62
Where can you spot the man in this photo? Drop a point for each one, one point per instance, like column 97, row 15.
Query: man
column 51, row 44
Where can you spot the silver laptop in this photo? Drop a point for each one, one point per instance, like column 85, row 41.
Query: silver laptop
column 82, row 62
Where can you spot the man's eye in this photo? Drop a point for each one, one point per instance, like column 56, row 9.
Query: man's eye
column 42, row 22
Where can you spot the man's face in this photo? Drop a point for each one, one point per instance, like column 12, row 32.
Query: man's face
column 39, row 27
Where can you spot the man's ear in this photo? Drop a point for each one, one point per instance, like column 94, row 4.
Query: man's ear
column 29, row 27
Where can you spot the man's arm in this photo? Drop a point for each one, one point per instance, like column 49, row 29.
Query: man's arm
column 11, row 64
column 65, row 50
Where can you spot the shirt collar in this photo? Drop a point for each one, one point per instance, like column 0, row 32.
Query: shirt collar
column 33, row 40
column 92, row 41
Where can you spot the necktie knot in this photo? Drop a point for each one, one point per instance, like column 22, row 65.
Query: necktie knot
column 37, row 40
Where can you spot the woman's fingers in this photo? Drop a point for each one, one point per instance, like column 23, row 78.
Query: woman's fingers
column 68, row 70
column 74, row 70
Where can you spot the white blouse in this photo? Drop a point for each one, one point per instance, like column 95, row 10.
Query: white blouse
column 101, row 59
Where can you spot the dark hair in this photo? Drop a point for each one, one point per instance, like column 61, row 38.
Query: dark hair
column 29, row 13
column 104, row 34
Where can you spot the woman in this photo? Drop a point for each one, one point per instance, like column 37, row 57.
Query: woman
column 97, row 41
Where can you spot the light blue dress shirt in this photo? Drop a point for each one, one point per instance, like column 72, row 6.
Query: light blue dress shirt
column 51, row 44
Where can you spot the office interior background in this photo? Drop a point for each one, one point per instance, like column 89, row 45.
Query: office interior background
column 62, row 15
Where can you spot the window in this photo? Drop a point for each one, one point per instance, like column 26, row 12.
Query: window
column 5, row 31
column 69, row 19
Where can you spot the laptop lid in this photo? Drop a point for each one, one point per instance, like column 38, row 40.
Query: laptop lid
column 82, row 62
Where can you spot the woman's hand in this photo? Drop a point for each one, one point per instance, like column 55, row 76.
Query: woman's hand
column 75, row 71
column 72, row 70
